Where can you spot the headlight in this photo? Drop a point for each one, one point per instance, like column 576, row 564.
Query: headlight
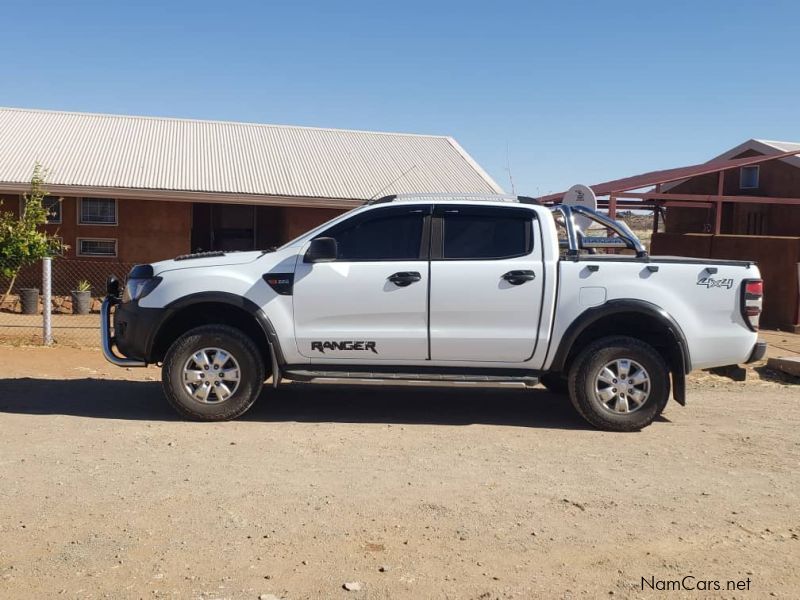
column 136, row 289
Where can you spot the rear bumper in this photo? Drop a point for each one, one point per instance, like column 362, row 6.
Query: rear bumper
column 758, row 352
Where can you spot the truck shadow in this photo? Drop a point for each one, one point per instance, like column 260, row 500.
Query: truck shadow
column 143, row 400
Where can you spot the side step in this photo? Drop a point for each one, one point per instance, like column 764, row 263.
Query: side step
column 519, row 377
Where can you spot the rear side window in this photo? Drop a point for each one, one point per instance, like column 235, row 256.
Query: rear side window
column 492, row 234
column 387, row 235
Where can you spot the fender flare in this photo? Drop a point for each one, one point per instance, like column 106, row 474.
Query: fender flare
column 276, row 354
column 594, row 314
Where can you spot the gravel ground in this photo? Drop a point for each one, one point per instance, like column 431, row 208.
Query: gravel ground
column 408, row 493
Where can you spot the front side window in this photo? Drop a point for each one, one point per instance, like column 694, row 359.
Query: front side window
column 380, row 235
column 98, row 211
column 485, row 234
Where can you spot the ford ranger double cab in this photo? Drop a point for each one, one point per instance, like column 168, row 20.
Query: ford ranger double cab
column 440, row 288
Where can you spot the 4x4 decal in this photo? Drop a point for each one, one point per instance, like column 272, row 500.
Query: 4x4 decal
column 710, row 282
column 343, row 345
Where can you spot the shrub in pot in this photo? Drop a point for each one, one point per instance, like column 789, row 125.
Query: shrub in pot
column 29, row 299
column 82, row 298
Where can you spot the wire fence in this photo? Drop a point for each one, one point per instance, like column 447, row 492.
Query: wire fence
column 77, row 288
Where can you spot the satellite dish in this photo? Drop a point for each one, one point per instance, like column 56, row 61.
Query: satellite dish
column 581, row 195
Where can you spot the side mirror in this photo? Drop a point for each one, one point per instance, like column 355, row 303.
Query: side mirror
column 324, row 249
column 112, row 286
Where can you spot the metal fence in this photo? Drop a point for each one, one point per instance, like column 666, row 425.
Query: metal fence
column 75, row 287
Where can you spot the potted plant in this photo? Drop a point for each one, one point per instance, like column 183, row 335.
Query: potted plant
column 29, row 299
column 82, row 298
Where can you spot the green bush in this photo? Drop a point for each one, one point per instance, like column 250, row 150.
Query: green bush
column 23, row 240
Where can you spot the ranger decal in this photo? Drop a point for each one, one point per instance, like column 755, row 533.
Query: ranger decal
column 343, row 345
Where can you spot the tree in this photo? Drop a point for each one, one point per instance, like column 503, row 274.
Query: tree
column 23, row 240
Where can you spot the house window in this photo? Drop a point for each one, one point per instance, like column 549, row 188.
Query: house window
column 97, row 211
column 97, row 247
column 748, row 178
column 51, row 204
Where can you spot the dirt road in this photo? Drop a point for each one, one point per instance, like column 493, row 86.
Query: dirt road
column 411, row 493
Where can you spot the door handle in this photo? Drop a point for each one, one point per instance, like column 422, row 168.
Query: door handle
column 519, row 277
column 404, row 278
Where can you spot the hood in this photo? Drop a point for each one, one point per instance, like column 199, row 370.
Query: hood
column 207, row 259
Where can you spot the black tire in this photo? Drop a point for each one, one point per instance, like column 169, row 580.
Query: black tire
column 584, row 382
column 246, row 363
column 555, row 383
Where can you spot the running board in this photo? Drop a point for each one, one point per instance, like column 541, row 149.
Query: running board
column 410, row 377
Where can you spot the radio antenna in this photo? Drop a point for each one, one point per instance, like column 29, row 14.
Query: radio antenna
column 393, row 181
column 510, row 176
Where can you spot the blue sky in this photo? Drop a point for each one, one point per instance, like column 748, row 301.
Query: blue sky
column 563, row 92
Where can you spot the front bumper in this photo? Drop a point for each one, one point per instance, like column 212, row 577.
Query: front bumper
column 758, row 352
column 108, row 341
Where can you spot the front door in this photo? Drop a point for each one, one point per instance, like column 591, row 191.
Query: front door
column 371, row 303
column 487, row 280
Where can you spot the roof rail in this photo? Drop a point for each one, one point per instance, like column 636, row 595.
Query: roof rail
column 455, row 197
column 382, row 199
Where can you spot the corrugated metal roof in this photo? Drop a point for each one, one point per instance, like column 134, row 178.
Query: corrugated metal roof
column 782, row 146
column 769, row 147
column 150, row 153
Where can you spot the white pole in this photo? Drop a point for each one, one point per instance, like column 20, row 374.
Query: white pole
column 47, row 329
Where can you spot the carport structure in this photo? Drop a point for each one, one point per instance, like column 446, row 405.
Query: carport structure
column 621, row 193
column 723, row 235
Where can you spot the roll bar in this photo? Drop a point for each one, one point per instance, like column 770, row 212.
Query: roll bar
column 577, row 240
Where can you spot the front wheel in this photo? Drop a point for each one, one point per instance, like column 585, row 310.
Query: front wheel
column 212, row 373
column 619, row 384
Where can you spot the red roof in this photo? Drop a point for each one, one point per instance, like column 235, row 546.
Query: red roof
column 655, row 177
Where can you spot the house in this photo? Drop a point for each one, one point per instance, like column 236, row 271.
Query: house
column 139, row 189
column 772, row 179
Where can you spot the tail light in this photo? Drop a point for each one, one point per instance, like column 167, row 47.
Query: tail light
column 752, row 300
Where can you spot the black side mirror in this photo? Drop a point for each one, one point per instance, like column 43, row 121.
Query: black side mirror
column 324, row 249
column 112, row 286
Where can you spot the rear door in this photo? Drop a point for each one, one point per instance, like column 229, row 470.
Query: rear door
column 487, row 280
column 371, row 303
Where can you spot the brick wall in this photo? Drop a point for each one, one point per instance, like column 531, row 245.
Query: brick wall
column 146, row 230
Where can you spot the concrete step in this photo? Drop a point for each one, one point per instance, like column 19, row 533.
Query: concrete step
column 789, row 365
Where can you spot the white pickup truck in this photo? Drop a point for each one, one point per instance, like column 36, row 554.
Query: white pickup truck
column 440, row 288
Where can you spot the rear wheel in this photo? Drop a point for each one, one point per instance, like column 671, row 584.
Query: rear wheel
column 619, row 384
column 212, row 373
